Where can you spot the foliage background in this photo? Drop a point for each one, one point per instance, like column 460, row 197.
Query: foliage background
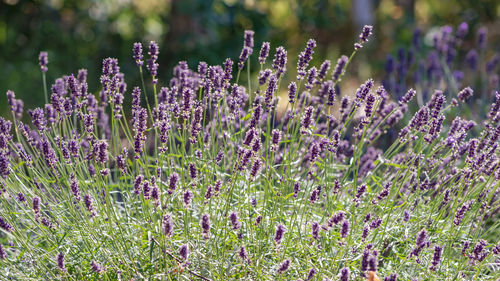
column 79, row 34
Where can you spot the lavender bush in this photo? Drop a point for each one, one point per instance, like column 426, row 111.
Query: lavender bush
column 211, row 181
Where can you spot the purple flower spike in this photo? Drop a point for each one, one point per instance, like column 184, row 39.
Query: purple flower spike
column 60, row 262
column 365, row 34
column 248, row 38
column 339, row 68
column 465, row 94
column 3, row 253
column 292, row 92
column 43, row 58
column 234, row 221
column 462, row 30
column 245, row 53
column 96, row 267
column 205, row 225
column 304, row 59
column 284, row 266
column 311, row 274
column 137, row 50
column 438, row 250
column 184, row 252
column 280, row 59
column 344, row 229
column 482, row 35
column 167, row 225
column 74, row 187
column 344, row 274
column 152, row 65
column 5, row 225
column 278, row 236
column 264, row 52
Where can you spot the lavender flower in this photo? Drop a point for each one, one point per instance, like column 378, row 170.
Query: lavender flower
column 137, row 50
column 271, row 89
column 187, row 197
column 306, row 121
column 234, row 221
column 88, row 203
column 152, row 65
column 192, row 170
column 296, row 189
column 392, row 277
column 459, row 215
column 60, row 262
column 146, row 190
column 258, row 220
column 323, row 70
column 184, row 252
column 359, row 192
column 243, row 254
column 245, row 53
column 264, row 52
column 482, row 35
column 167, row 225
column 370, row 100
column 344, row 274
column 264, row 76
column 304, row 59
column 279, row 62
column 96, row 267
column 372, row 261
column 436, row 258
column 292, row 92
column 248, row 38
column 344, row 229
column 311, row 274
column 174, row 178
column 406, row 216
column 44, row 61
column 5, row 225
column 407, row 97
column 365, row 34
column 275, row 140
column 315, row 230
column 36, row 205
column 331, row 96
column 339, row 68
column 3, row 253
column 284, row 266
column 205, row 225
column 256, row 167
column 278, row 235
column 465, row 94
column 74, row 187
column 138, row 183
column 479, row 252
column 462, row 30
column 38, row 117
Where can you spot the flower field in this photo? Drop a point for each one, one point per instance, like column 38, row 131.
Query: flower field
column 209, row 176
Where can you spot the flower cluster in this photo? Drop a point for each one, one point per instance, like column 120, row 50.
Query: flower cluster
column 214, row 180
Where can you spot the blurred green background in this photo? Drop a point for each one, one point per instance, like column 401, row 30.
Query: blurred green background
column 79, row 34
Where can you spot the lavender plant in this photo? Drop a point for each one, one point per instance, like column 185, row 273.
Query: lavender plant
column 210, row 181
